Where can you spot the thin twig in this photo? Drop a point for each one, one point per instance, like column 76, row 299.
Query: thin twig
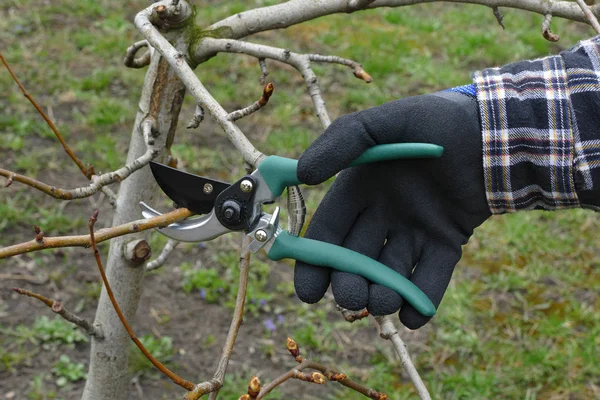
column 357, row 68
column 164, row 255
column 264, row 71
column 234, row 327
column 264, row 99
column 589, row 15
column 197, row 118
column 102, row 235
column 319, row 377
column 98, row 181
column 130, row 59
column 546, row 32
column 87, row 171
column 300, row 62
column 58, row 308
column 352, row 316
column 499, row 16
column 174, row 377
column 390, row 332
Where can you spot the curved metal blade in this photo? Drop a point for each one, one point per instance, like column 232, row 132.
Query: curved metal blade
column 187, row 190
column 198, row 229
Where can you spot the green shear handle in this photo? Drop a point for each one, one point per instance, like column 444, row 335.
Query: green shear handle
column 280, row 172
column 329, row 255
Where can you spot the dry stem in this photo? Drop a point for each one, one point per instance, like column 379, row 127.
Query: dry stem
column 236, row 323
column 174, row 377
column 102, row 235
column 87, row 171
column 58, row 308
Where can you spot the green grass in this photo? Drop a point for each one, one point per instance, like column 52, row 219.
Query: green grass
column 520, row 318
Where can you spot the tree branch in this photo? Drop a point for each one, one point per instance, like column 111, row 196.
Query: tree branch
column 389, row 332
column 294, row 12
column 300, row 62
column 184, row 72
column 234, row 328
column 260, row 103
column 589, row 15
column 546, row 32
column 58, row 308
column 174, row 377
column 164, row 255
column 316, row 377
column 87, row 171
column 102, row 235
column 98, row 181
column 130, row 59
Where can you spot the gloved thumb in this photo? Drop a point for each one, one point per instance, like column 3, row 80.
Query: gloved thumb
column 341, row 143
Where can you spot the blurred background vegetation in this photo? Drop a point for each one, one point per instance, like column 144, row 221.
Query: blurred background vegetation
column 520, row 319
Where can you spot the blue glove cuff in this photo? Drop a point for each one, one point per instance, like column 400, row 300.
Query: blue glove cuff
column 468, row 90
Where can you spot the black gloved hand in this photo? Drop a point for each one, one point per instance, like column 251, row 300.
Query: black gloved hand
column 405, row 213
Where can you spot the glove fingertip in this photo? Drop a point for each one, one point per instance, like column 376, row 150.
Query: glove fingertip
column 383, row 301
column 310, row 282
column 411, row 318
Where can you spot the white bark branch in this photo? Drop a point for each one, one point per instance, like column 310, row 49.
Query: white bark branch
column 589, row 15
column 300, row 62
column 184, row 72
column 164, row 255
column 390, row 332
column 297, row 11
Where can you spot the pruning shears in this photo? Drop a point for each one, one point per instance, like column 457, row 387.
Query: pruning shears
column 226, row 208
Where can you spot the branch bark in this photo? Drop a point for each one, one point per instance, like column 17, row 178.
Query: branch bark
column 101, row 235
column 57, row 307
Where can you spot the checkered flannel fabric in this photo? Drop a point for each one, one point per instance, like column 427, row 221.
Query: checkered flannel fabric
column 540, row 123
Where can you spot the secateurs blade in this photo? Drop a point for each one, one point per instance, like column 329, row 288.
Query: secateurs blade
column 238, row 207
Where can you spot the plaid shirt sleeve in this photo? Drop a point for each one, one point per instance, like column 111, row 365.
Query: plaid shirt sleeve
column 540, row 124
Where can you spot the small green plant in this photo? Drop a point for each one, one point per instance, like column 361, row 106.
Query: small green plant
column 38, row 389
column 57, row 330
column 219, row 284
column 68, row 371
column 161, row 348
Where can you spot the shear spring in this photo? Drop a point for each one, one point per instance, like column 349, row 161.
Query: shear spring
column 296, row 210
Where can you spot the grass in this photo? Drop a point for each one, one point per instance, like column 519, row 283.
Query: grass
column 520, row 318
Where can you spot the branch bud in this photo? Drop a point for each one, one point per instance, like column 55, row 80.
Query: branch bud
column 254, row 387
column 292, row 347
column 244, row 397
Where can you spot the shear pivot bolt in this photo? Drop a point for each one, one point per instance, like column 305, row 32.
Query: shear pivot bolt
column 260, row 235
column 246, row 186
column 208, row 188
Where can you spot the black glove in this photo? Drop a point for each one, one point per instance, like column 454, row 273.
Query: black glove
column 411, row 215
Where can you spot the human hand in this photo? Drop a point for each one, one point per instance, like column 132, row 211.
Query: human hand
column 411, row 215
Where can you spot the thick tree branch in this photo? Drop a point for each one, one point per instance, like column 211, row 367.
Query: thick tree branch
column 294, row 12
column 58, row 308
column 185, row 73
column 87, row 171
column 390, row 332
column 102, row 235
